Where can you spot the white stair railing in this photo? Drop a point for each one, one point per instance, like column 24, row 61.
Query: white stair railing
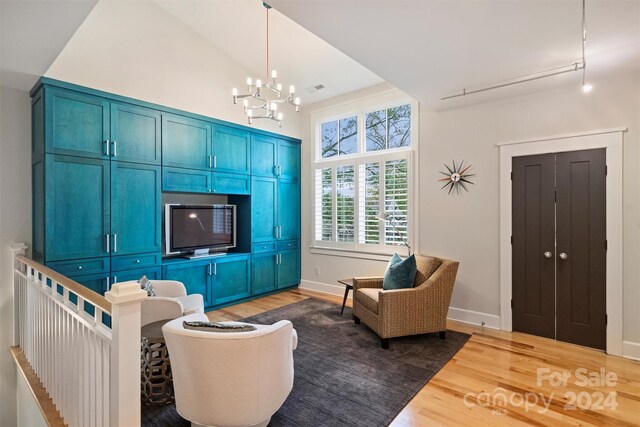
column 83, row 347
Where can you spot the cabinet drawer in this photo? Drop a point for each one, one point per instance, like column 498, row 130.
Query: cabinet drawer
column 288, row 244
column 186, row 180
column 135, row 261
column 230, row 183
column 263, row 247
column 81, row 266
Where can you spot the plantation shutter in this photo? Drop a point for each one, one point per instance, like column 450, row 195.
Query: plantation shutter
column 369, row 203
column 324, row 204
column 396, row 201
column 345, row 204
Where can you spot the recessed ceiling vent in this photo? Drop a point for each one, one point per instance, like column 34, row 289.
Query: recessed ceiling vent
column 315, row 88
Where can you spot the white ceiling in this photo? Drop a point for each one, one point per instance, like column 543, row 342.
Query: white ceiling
column 33, row 33
column 238, row 27
column 432, row 48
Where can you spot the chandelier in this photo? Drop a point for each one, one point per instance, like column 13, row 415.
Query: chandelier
column 261, row 101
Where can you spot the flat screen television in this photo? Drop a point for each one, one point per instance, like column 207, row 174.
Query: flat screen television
column 196, row 229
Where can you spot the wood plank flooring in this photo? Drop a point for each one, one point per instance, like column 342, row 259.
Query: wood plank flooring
column 493, row 380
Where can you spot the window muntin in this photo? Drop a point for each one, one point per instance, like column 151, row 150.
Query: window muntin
column 339, row 137
column 388, row 128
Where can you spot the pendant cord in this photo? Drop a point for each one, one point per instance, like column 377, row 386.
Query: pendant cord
column 267, row 75
column 584, row 40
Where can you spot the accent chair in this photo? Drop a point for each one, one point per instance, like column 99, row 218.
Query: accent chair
column 401, row 312
column 171, row 301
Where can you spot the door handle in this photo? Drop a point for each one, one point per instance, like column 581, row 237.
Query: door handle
column 115, row 243
column 107, row 240
column 115, row 148
column 108, row 283
column 563, row 256
column 275, row 231
column 107, row 143
column 210, row 161
column 215, row 161
column 548, row 254
column 210, row 269
column 215, row 268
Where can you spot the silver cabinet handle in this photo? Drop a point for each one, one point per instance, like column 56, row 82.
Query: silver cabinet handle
column 115, row 148
column 548, row 254
column 115, row 243
column 115, row 279
column 79, row 267
column 275, row 231
column 107, row 143
column 210, row 161
column 563, row 256
column 279, row 170
column 215, row 268
column 107, row 238
column 215, row 161
column 108, row 283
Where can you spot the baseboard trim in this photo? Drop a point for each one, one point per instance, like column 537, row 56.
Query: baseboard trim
column 458, row 314
column 631, row 350
column 474, row 318
column 324, row 288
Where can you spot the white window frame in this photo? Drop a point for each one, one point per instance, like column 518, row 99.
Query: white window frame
column 359, row 108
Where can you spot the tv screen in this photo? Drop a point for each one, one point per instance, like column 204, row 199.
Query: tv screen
column 200, row 227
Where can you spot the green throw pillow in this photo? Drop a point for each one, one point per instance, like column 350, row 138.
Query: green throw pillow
column 400, row 273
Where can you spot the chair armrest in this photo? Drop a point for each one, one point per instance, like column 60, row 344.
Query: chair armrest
column 168, row 288
column 366, row 282
column 160, row 308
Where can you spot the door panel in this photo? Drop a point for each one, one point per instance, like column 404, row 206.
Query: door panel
column 231, row 280
column 230, row 183
column 263, row 209
column 195, row 278
column 289, row 159
column 289, row 269
column 152, row 273
column 533, row 234
column 136, row 134
column 289, row 209
column 263, row 156
column 135, row 208
column 77, row 207
column 581, row 234
column 186, row 143
column 79, row 124
column 231, row 150
column 263, row 273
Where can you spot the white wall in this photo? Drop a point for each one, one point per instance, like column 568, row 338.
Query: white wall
column 15, row 225
column 28, row 411
column 137, row 49
column 466, row 227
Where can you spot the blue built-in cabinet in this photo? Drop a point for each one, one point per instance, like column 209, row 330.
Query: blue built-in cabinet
column 100, row 164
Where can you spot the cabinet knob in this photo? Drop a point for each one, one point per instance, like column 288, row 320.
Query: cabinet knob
column 137, row 261
column 79, row 267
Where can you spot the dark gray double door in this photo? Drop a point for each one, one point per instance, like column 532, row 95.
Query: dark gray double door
column 559, row 246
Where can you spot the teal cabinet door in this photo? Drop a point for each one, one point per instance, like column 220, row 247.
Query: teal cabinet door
column 136, row 206
column 288, row 268
column 231, row 183
column 77, row 208
column 186, row 180
column 264, row 155
column 264, row 273
column 288, row 209
column 288, row 160
column 231, row 150
column 263, row 209
column 135, row 134
column 76, row 124
column 186, row 143
column 231, row 280
column 152, row 273
column 196, row 277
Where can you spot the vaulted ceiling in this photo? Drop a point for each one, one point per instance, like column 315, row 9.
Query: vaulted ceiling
column 432, row 48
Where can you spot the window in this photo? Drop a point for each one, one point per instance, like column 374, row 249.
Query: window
column 363, row 180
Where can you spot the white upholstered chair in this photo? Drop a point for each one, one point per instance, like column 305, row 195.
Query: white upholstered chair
column 230, row 378
column 171, row 301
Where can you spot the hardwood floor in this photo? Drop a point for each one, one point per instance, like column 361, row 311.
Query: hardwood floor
column 493, row 380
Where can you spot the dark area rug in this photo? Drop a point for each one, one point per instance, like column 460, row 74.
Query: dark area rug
column 342, row 376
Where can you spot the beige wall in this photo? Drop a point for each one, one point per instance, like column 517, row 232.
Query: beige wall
column 466, row 227
column 139, row 50
column 15, row 225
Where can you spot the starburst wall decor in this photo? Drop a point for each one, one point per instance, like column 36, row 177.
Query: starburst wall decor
column 456, row 176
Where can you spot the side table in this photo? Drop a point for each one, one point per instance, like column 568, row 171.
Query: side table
column 155, row 367
column 348, row 283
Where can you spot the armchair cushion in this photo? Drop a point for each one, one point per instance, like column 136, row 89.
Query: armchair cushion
column 193, row 303
column 400, row 273
column 198, row 325
column 368, row 297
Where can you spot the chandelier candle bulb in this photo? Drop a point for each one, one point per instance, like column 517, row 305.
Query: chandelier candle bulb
column 292, row 89
column 274, row 74
column 249, row 82
column 258, row 83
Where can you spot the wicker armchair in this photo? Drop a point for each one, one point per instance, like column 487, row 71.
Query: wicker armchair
column 400, row 312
